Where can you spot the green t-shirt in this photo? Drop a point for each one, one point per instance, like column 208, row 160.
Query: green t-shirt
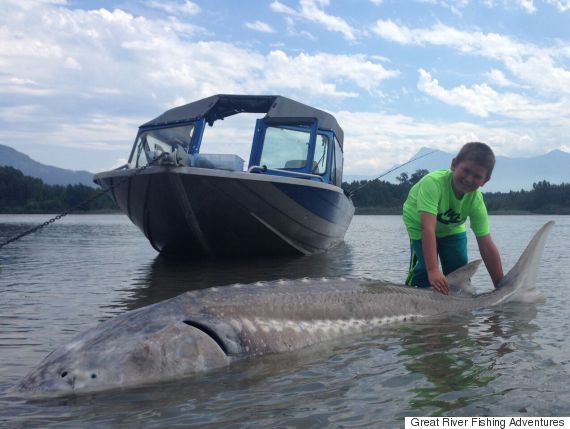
column 434, row 194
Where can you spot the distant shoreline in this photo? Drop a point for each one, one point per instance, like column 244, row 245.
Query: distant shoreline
column 358, row 212
column 395, row 211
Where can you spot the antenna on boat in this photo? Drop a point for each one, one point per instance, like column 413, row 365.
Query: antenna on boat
column 392, row 170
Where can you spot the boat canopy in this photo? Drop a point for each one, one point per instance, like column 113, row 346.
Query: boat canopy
column 220, row 106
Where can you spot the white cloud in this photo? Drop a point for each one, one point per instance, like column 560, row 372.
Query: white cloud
column 19, row 113
column 561, row 5
column 526, row 5
column 84, row 80
column 482, row 100
column 293, row 31
column 498, row 78
column 175, row 8
column 130, row 68
column 454, row 6
column 277, row 6
column 260, row 26
column 212, row 67
column 15, row 85
column 71, row 63
column 108, row 49
column 389, row 30
column 538, row 66
column 375, row 142
column 314, row 72
column 33, row 4
column 313, row 11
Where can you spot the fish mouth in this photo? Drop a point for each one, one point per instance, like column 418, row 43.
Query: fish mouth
column 32, row 387
column 44, row 380
column 37, row 385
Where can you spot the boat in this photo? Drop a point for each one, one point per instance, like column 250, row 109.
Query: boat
column 287, row 200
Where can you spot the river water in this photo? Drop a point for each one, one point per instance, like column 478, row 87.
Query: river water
column 512, row 360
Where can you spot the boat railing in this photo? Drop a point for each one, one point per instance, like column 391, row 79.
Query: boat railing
column 263, row 169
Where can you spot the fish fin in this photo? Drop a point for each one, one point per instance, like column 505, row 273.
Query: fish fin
column 460, row 280
column 524, row 273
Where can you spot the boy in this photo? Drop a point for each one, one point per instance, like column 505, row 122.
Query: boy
column 435, row 213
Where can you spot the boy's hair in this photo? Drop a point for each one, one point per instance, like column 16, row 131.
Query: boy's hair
column 479, row 153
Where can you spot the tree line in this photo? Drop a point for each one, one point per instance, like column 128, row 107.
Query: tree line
column 377, row 196
column 24, row 194
column 544, row 198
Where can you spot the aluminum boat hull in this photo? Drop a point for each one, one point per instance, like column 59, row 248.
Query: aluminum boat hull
column 207, row 213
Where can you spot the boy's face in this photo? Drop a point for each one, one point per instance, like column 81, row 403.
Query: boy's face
column 468, row 176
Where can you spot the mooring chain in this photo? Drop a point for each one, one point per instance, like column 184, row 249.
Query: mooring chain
column 72, row 209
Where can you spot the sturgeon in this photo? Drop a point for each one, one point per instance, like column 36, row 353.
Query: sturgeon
column 210, row 328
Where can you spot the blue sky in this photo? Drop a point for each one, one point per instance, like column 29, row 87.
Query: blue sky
column 78, row 77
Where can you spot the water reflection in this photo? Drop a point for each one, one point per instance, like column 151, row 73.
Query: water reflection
column 165, row 278
column 266, row 393
column 458, row 357
column 505, row 361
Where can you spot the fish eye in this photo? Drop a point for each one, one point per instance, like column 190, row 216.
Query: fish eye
column 64, row 374
column 93, row 375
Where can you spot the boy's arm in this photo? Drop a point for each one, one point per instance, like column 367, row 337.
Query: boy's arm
column 491, row 257
column 436, row 278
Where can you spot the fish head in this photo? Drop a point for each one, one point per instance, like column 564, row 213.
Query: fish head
column 94, row 362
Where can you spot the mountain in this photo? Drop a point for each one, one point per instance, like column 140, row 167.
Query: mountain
column 50, row 175
column 510, row 174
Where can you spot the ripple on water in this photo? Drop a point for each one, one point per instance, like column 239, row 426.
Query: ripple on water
column 513, row 360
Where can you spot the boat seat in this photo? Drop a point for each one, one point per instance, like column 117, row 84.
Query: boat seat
column 300, row 163
column 296, row 163
column 217, row 161
column 202, row 162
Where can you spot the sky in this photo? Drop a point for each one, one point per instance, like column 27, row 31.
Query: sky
column 77, row 78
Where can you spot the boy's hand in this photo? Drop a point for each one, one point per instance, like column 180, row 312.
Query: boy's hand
column 438, row 281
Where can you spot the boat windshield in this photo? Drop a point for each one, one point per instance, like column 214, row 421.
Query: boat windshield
column 285, row 148
column 288, row 148
column 150, row 144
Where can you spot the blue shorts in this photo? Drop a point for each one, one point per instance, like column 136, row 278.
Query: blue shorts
column 451, row 250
